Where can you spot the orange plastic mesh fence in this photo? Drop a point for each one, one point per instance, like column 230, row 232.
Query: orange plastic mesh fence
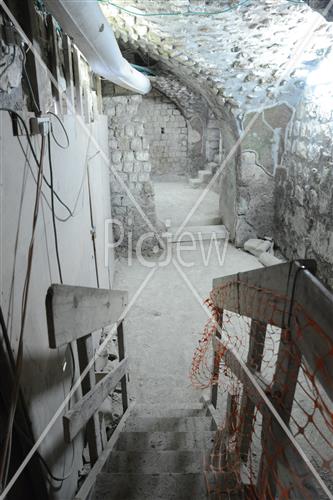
column 289, row 356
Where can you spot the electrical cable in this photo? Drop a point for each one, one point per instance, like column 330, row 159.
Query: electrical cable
column 61, row 279
column 57, row 245
column 17, row 427
column 10, row 313
column 60, row 219
column 18, row 116
column 64, row 130
column 93, row 231
column 73, row 211
column 4, row 466
column 47, row 245
column 52, row 207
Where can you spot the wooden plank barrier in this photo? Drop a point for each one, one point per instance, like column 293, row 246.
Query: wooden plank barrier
column 74, row 313
column 289, row 297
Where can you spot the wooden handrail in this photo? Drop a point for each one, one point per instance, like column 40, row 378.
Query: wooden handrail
column 294, row 292
column 290, row 297
column 73, row 314
column 76, row 418
column 75, row 311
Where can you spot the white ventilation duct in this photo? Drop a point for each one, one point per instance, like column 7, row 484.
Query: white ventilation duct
column 86, row 23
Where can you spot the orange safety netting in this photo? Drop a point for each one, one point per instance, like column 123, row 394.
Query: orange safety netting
column 275, row 346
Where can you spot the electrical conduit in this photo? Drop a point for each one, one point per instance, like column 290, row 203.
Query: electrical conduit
column 86, row 24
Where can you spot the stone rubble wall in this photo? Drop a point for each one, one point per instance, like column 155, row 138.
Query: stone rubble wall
column 195, row 109
column 130, row 168
column 213, row 139
column 239, row 64
column 234, row 63
column 165, row 129
column 304, row 184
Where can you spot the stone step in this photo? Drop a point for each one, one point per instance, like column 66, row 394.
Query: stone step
column 134, row 441
column 208, row 169
column 150, row 487
column 158, row 411
column 172, row 424
column 200, row 233
column 204, row 176
column 157, row 462
column 211, row 166
column 195, row 183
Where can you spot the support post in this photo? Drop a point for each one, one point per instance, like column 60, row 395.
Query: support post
column 55, row 61
column 247, row 407
column 216, row 365
column 69, row 74
column 86, row 353
column 77, row 81
column 121, row 350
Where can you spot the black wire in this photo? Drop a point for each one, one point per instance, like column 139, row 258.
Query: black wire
column 28, row 439
column 60, row 271
column 14, row 113
column 7, row 448
column 64, row 130
column 52, row 208
column 2, row 322
column 60, row 219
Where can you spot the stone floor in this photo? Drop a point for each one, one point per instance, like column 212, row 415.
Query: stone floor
column 166, row 321
column 174, row 200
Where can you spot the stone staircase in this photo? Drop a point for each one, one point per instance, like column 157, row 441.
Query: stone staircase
column 204, row 176
column 160, row 455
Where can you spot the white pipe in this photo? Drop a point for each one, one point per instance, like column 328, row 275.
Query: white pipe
column 92, row 33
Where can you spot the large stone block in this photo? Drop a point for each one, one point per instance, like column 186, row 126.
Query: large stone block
column 136, row 144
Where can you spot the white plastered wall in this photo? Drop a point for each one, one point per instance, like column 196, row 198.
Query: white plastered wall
column 45, row 377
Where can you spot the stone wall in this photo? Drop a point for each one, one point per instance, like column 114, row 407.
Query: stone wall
column 130, row 179
column 47, row 373
column 304, row 188
column 165, row 130
column 195, row 109
column 213, row 140
column 247, row 66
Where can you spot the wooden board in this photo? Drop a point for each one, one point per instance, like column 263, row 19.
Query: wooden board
column 85, row 351
column 247, row 407
column 77, row 82
column 216, row 367
column 55, row 61
column 315, row 346
column 87, row 486
column 75, row 419
column 253, row 302
column 73, row 312
column 294, row 473
column 69, row 74
column 211, row 410
column 235, row 366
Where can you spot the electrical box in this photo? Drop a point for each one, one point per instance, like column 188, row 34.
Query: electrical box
column 39, row 125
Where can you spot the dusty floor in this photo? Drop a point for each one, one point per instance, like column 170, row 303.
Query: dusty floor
column 164, row 325
column 174, row 200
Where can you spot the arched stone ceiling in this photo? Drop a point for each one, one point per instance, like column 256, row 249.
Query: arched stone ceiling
column 252, row 57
